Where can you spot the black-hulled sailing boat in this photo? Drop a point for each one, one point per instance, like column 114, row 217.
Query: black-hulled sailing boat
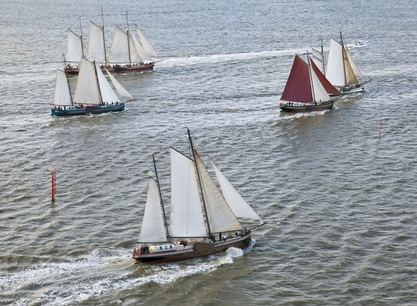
column 127, row 54
column 198, row 225
column 305, row 91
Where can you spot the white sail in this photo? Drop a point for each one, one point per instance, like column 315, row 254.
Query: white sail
column 318, row 59
column 119, row 52
column 119, row 88
column 153, row 229
column 221, row 217
column 146, row 45
column 62, row 91
column 319, row 92
column 186, row 218
column 96, row 44
column 239, row 206
column 335, row 72
column 137, row 52
column 74, row 48
column 107, row 93
column 87, row 90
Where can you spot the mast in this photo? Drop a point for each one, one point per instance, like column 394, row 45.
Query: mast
column 81, row 38
column 128, row 40
column 162, row 203
column 343, row 58
column 69, row 89
column 98, row 83
column 104, row 39
column 311, row 79
column 322, row 55
column 199, row 182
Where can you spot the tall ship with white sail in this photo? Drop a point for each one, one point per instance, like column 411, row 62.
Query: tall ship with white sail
column 204, row 219
column 127, row 53
column 342, row 71
column 93, row 92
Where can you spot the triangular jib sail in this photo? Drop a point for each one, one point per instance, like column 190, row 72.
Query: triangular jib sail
column 119, row 88
column 319, row 92
column 147, row 47
column 238, row 205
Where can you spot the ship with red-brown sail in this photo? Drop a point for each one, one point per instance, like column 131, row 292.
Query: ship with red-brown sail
column 306, row 89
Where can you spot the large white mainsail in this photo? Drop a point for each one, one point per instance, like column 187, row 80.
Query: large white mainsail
column 74, row 48
column 220, row 215
column 87, row 90
column 239, row 206
column 62, row 95
column 146, row 45
column 186, row 218
column 96, row 44
column 319, row 93
column 153, row 228
column 335, row 70
column 119, row 88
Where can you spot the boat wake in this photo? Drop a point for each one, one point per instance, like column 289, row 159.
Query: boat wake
column 191, row 60
column 109, row 272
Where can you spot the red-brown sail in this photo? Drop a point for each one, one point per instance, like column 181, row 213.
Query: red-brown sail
column 298, row 87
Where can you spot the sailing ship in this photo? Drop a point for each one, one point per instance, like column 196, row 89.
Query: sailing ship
column 63, row 103
column 127, row 54
column 306, row 89
column 93, row 93
column 342, row 70
column 203, row 220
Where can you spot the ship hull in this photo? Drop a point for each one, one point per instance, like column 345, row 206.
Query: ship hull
column 116, row 68
column 295, row 107
column 199, row 249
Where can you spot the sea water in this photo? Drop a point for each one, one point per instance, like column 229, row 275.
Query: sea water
column 337, row 188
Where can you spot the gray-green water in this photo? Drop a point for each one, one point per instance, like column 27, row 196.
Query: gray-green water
column 339, row 199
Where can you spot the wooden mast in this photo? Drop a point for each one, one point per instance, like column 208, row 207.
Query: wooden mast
column 81, row 38
column 311, row 79
column 322, row 55
column 128, row 40
column 104, row 39
column 201, row 186
column 98, row 83
column 343, row 58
